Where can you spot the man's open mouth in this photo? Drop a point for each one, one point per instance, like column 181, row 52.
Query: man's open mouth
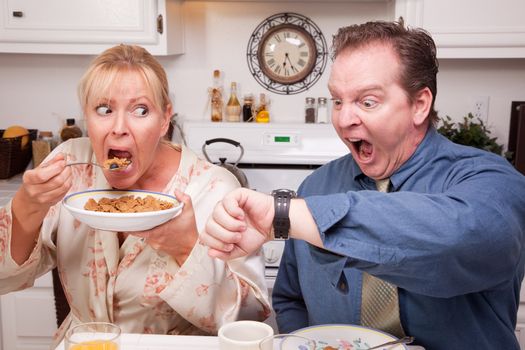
column 363, row 148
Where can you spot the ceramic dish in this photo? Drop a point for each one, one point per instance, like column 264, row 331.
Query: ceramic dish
column 344, row 337
column 122, row 222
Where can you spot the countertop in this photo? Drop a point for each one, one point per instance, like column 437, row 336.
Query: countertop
column 175, row 342
column 164, row 342
column 8, row 188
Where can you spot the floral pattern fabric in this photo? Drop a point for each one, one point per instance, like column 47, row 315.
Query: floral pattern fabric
column 132, row 285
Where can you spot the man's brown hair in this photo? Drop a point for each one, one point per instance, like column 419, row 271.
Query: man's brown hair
column 414, row 47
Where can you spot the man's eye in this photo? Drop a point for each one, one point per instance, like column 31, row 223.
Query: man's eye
column 141, row 111
column 103, row 110
column 337, row 103
column 369, row 103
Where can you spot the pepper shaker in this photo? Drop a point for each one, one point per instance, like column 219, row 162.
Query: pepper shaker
column 309, row 110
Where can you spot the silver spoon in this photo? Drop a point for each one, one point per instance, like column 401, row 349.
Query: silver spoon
column 112, row 167
column 404, row 340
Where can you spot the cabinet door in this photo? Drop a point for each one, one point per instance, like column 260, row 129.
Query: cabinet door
column 28, row 317
column 82, row 26
column 469, row 28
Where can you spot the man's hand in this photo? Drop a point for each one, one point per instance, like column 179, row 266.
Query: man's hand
column 239, row 225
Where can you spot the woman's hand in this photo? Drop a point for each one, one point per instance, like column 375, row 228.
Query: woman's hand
column 178, row 236
column 47, row 184
column 239, row 225
column 41, row 188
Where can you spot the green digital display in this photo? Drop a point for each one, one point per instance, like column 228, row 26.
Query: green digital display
column 281, row 139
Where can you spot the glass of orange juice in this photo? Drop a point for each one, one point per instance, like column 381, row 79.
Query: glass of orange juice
column 93, row 336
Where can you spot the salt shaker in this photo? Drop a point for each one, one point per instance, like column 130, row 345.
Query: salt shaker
column 322, row 110
column 309, row 110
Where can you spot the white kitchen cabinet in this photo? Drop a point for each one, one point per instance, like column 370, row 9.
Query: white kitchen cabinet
column 89, row 27
column 28, row 317
column 469, row 28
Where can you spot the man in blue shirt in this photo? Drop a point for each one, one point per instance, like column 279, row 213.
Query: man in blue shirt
column 448, row 235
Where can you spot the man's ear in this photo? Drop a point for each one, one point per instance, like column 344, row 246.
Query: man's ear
column 421, row 106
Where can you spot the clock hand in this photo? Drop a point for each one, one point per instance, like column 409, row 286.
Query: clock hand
column 291, row 65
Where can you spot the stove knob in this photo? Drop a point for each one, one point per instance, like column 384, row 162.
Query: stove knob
column 270, row 256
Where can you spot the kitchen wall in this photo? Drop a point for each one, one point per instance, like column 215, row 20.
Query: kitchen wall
column 39, row 91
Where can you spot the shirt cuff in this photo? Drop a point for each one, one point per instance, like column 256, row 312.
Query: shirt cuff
column 190, row 268
column 328, row 210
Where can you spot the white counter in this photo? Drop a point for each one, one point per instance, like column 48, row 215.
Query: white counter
column 8, row 188
column 176, row 342
column 164, row 342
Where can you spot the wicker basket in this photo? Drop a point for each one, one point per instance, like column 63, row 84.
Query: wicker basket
column 14, row 159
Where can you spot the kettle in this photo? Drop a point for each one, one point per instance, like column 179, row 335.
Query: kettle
column 241, row 177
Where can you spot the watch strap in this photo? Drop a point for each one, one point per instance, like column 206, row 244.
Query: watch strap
column 281, row 219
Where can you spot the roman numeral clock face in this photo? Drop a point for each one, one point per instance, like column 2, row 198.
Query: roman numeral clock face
column 287, row 54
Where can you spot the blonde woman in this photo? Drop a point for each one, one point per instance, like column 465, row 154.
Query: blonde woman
column 160, row 281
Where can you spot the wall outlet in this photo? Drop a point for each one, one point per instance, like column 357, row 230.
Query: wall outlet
column 480, row 108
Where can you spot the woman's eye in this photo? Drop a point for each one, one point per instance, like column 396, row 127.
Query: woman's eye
column 141, row 111
column 103, row 110
column 368, row 103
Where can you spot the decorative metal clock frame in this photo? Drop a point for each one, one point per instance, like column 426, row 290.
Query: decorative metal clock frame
column 301, row 23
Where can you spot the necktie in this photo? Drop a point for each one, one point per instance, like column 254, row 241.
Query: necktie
column 379, row 299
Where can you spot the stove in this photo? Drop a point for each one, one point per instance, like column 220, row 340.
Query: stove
column 275, row 156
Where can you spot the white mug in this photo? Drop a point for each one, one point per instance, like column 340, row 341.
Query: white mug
column 243, row 335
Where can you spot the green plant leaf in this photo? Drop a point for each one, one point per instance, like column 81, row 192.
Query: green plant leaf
column 470, row 132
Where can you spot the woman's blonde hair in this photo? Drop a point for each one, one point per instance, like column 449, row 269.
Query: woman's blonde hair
column 106, row 67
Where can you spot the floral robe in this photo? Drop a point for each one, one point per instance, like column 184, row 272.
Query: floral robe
column 134, row 286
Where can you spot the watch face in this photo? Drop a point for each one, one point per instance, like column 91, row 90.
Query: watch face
column 287, row 53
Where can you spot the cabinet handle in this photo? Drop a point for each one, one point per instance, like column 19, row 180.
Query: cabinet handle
column 18, row 14
column 160, row 24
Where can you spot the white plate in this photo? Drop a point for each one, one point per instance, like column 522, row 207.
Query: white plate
column 344, row 337
column 122, row 222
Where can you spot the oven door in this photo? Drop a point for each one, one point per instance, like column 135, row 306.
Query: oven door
column 266, row 178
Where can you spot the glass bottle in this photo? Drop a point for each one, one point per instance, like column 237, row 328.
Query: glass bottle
column 322, row 110
column 247, row 108
column 71, row 130
column 263, row 115
column 309, row 110
column 233, row 107
column 47, row 136
column 42, row 146
column 216, row 97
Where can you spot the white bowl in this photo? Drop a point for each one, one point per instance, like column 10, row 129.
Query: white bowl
column 341, row 336
column 121, row 222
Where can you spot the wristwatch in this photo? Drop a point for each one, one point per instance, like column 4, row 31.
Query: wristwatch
column 281, row 219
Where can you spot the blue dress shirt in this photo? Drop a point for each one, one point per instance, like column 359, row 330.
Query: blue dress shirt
column 450, row 235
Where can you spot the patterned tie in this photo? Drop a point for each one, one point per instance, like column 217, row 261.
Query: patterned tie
column 379, row 304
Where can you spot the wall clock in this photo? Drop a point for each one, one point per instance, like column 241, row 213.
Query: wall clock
column 287, row 53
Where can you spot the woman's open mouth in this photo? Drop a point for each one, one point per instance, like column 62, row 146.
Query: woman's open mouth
column 119, row 160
